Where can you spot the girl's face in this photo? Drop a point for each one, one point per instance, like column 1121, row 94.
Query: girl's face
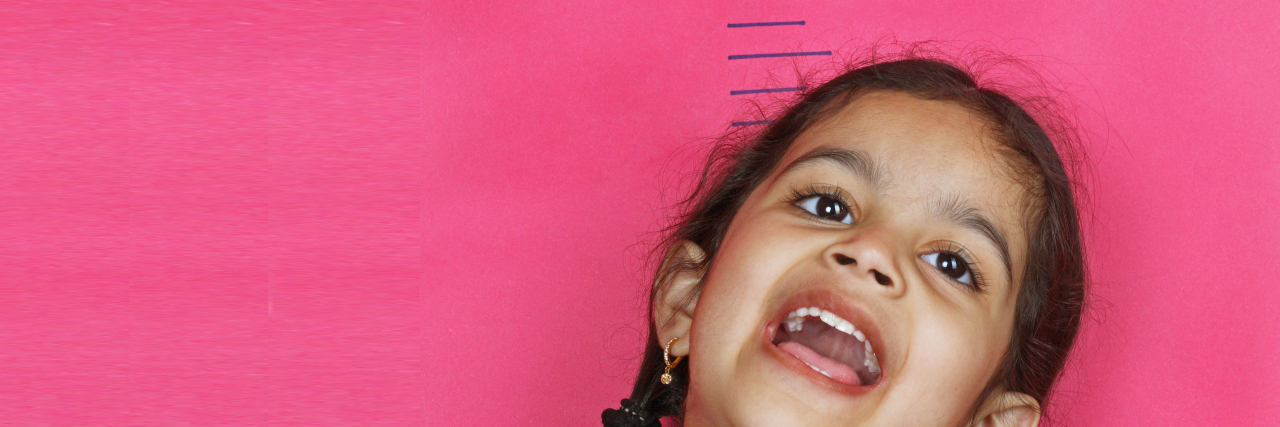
column 893, row 225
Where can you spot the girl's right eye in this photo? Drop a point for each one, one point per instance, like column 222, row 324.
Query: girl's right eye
column 827, row 208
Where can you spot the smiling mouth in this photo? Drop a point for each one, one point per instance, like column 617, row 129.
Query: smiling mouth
column 830, row 345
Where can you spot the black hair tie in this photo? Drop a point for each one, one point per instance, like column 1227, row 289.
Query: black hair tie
column 629, row 415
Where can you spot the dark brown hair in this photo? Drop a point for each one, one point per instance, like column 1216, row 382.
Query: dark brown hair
column 1052, row 294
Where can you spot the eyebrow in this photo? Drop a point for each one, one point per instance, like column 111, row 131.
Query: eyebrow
column 959, row 211
column 856, row 162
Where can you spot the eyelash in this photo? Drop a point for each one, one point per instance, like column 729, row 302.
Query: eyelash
column 979, row 283
column 831, row 191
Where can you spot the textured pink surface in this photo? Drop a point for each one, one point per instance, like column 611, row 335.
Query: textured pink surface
column 386, row 213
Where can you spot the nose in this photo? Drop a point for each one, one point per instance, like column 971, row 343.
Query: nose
column 868, row 256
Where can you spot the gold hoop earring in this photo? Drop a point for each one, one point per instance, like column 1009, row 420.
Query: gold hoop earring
column 666, row 358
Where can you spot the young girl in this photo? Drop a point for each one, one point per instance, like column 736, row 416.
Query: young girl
column 900, row 248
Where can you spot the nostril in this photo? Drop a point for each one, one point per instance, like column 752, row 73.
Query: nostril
column 844, row 260
column 882, row 279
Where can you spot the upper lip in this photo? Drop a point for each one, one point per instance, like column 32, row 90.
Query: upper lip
column 848, row 309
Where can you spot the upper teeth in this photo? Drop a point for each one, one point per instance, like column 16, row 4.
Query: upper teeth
column 795, row 322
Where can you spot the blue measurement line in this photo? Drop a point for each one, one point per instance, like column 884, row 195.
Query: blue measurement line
column 757, row 122
column 777, row 55
column 765, row 24
column 781, row 89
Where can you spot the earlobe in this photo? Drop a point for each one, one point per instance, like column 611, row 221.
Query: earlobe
column 1008, row 409
column 676, row 294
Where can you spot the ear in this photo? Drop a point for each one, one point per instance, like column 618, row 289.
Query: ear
column 1008, row 409
column 675, row 295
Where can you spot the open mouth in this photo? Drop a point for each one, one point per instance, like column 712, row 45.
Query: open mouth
column 830, row 345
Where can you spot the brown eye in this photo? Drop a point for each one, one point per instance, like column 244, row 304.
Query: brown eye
column 950, row 265
column 827, row 208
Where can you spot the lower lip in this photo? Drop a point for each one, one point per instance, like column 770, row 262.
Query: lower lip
column 798, row 367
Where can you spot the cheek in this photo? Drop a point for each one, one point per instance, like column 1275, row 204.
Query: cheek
column 748, row 267
column 733, row 292
column 957, row 355
column 731, row 313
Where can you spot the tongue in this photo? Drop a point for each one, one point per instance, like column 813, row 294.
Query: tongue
column 837, row 371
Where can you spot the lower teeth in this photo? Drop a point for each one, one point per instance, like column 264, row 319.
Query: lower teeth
column 816, row 369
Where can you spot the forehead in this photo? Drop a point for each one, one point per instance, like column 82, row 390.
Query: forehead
column 925, row 150
column 901, row 130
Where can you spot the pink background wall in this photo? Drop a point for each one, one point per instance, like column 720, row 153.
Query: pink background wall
column 381, row 213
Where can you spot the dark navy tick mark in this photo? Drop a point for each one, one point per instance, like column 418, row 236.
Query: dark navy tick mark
column 781, row 89
column 765, row 24
column 778, row 55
